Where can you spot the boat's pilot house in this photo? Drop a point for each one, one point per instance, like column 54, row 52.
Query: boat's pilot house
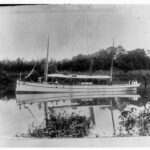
column 78, row 79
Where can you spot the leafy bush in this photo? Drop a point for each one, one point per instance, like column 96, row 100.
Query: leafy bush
column 135, row 122
column 73, row 126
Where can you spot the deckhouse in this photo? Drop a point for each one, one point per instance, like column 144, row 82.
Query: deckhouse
column 79, row 79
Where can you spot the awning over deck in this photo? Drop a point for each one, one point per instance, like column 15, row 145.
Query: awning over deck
column 79, row 76
column 57, row 76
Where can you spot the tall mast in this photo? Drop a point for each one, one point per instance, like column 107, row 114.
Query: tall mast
column 111, row 69
column 91, row 66
column 46, row 61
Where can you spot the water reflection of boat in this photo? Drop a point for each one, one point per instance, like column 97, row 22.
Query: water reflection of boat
column 35, row 98
column 90, row 104
column 87, row 105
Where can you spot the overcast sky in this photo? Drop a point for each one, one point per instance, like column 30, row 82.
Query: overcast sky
column 73, row 29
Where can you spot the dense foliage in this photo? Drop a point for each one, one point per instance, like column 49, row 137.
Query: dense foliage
column 101, row 60
column 135, row 122
column 58, row 125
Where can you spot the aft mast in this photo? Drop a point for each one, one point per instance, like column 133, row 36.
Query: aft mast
column 91, row 66
column 111, row 69
column 46, row 62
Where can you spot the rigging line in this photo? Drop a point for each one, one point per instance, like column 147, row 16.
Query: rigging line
column 30, row 72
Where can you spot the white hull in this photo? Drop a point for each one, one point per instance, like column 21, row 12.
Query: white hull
column 29, row 87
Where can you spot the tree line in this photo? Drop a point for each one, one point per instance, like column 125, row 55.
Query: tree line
column 101, row 60
column 123, row 60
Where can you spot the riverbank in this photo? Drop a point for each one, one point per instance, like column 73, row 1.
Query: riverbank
column 8, row 80
column 81, row 142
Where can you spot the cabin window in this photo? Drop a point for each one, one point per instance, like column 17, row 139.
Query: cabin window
column 95, row 81
column 78, row 81
column 103, row 82
column 89, row 80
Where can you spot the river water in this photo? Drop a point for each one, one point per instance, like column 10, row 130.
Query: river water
column 110, row 114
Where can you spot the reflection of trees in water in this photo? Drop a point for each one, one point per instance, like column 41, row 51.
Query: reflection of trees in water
column 91, row 102
column 144, row 93
column 122, row 103
column 134, row 121
column 119, row 103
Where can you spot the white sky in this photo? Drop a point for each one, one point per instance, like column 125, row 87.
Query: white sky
column 73, row 29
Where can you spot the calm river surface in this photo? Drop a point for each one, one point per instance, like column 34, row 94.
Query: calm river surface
column 110, row 114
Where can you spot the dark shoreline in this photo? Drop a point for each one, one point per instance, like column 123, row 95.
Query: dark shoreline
column 8, row 81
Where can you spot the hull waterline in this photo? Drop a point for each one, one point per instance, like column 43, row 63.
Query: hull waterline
column 29, row 87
